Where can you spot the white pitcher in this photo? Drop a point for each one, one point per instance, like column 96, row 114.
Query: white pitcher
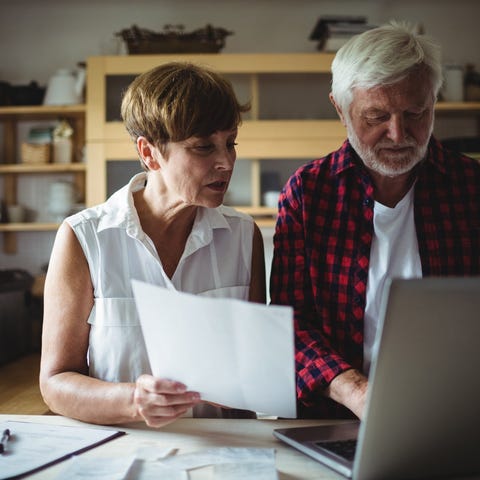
column 61, row 199
column 65, row 87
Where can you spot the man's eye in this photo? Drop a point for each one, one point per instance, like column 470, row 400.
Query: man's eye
column 377, row 119
column 231, row 145
column 415, row 115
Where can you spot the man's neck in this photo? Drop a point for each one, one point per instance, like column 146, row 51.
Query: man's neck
column 390, row 190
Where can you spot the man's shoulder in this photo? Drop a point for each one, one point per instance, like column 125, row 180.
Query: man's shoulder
column 451, row 161
column 331, row 164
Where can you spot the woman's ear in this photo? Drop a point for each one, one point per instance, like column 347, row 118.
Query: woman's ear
column 337, row 108
column 147, row 153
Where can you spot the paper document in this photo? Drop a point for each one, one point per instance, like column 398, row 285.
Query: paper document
column 33, row 446
column 235, row 353
column 230, row 463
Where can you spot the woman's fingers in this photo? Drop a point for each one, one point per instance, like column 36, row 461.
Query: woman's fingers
column 161, row 401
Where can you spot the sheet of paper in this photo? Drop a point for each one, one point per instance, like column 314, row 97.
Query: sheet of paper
column 34, row 445
column 219, row 456
column 235, row 353
column 145, row 470
column 96, row 468
column 240, row 471
column 118, row 468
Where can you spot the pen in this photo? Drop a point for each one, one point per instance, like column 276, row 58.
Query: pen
column 4, row 440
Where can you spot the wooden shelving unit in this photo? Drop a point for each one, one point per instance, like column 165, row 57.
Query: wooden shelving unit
column 259, row 139
column 10, row 169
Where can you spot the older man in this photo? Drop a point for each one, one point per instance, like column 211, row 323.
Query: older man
column 391, row 202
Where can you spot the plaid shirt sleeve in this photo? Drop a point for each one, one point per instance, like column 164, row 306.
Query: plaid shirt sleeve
column 317, row 363
column 296, row 278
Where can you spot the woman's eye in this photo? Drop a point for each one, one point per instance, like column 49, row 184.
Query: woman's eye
column 204, row 148
column 231, row 145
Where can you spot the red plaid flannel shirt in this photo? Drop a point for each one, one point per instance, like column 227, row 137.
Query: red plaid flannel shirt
column 321, row 255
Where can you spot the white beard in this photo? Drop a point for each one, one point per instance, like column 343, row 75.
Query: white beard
column 389, row 164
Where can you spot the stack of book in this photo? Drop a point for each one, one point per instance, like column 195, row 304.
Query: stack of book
column 333, row 31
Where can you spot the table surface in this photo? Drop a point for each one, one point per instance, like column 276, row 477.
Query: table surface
column 194, row 434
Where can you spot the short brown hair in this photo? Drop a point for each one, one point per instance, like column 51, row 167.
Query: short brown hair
column 175, row 101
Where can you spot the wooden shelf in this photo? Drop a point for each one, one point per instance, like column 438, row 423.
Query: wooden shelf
column 20, row 168
column 257, row 211
column 35, row 111
column 264, row 216
column 467, row 107
column 29, row 227
column 304, row 138
column 237, row 63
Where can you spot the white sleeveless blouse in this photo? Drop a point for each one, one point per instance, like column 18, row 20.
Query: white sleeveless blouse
column 216, row 263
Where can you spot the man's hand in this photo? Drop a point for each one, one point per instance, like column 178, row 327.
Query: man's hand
column 350, row 389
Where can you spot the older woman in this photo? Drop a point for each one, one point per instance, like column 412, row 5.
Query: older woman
column 168, row 227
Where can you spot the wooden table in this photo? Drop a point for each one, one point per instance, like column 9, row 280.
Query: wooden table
column 191, row 434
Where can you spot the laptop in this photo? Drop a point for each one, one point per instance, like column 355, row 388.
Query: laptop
column 422, row 416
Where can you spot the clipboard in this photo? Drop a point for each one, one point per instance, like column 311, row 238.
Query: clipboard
column 34, row 446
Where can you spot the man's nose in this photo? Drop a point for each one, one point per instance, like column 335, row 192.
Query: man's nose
column 396, row 128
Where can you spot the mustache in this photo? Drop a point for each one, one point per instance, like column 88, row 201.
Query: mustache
column 396, row 146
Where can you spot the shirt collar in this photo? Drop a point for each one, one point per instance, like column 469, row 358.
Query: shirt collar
column 345, row 158
column 121, row 208
column 435, row 155
column 122, row 214
column 206, row 221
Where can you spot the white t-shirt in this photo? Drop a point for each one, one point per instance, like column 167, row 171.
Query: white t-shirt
column 393, row 254
column 216, row 263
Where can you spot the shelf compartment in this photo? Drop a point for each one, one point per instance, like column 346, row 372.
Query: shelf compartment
column 99, row 68
column 289, row 138
column 10, row 230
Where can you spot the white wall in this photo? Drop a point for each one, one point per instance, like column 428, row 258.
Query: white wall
column 37, row 37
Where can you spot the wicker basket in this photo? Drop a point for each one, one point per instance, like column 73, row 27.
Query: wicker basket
column 174, row 39
column 36, row 152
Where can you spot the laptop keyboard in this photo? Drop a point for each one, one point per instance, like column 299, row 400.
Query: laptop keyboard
column 342, row 448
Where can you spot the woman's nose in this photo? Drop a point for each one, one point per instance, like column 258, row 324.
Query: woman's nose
column 226, row 159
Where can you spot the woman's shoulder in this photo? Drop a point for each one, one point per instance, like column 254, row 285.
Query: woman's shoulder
column 87, row 215
column 231, row 212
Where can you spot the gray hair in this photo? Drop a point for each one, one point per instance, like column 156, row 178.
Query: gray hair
column 383, row 56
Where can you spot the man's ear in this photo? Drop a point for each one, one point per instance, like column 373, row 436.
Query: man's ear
column 147, row 153
column 337, row 108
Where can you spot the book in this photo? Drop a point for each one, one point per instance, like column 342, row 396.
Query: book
column 333, row 31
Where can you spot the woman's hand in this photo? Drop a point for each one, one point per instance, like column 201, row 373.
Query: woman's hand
column 160, row 402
